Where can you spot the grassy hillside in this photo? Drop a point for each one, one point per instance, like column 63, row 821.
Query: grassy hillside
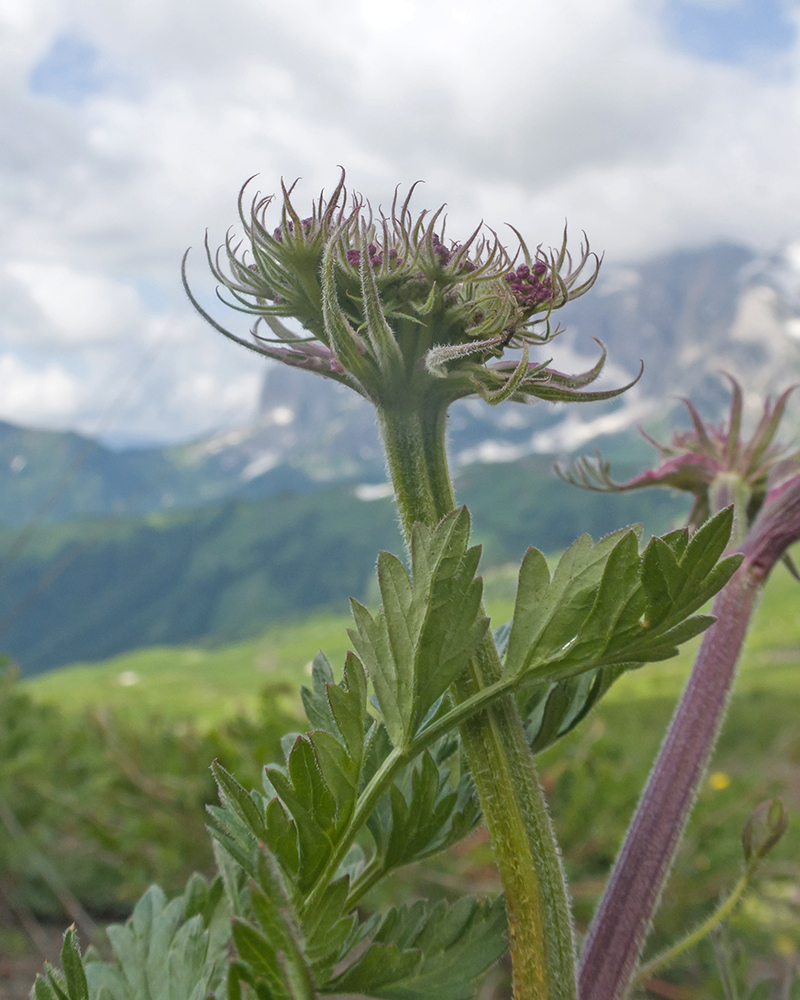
column 209, row 684
column 87, row 590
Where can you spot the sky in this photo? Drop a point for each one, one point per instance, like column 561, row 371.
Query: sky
column 126, row 130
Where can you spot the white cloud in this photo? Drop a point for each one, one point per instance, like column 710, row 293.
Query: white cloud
column 35, row 395
column 77, row 308
column 524, row 113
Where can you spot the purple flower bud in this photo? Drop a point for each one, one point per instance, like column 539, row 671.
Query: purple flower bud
column 709, row 461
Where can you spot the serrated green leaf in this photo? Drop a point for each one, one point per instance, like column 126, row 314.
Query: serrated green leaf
column 240, row 800
column 315, row 699
column 339, row 772
column 309, row 785
column 324, row 929
column 427, row 627
column 528, row 620
column 257, row 953
column 547, row 616
column 372, row 645
column 713, row 583
column 282, row 837
column 429, row 817
column 230, row 831
column 616, row 606
column 422, row 953
column 619, row 610
column 677, row 540
column 378, row 969
column 312, row 806
column 73, row 967
column 662, row 579
column 274, row 913
column 704, row 550
column 348, row 702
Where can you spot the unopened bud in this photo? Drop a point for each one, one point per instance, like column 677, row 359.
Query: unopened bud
column 765, row 826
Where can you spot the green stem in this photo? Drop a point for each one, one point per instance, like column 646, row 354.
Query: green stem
column 537, row 902
column 371, row 875
column 694, row 937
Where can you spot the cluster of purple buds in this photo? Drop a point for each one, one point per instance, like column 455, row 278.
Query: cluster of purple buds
column 376, row 257
column 305, row 223
column 529, row 285
column 444, row 256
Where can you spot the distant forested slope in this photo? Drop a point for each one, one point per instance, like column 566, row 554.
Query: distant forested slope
column 84, row 590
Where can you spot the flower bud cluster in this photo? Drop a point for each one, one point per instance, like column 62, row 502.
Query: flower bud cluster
column 425, row 319
column 530, row 286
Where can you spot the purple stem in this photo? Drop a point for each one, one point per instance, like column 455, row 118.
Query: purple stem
column 622, row 921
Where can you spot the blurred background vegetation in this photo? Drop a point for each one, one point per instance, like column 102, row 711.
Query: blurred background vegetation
column 104, row 775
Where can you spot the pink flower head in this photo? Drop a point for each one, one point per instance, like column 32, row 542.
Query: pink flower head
column 710, row 461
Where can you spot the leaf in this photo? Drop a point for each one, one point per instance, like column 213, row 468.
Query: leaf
column 274, row 952
column 259, row 958
column 241, row 801
column 233, row 834
column 315, row 699
column 162, row 952
column 325, row 929
column 348, row 703
column 552, row 711
column 339, row 772
column 428, row 627
column 607, row 606
column 423, row 813
column 312, row 806
column 548, row 613
column 423, row 952
column 378, row 969
column 73, row 967
column 282, row 837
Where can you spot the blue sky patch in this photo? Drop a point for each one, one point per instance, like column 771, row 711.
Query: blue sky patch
column 69, row 71
column 737, row 33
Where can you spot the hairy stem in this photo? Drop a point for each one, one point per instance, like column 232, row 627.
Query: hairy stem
column 526, row 852
column 623, row 919
column 694, row 937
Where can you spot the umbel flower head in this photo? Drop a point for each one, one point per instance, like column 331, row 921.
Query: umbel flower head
column 391, row 308
column 710, row 461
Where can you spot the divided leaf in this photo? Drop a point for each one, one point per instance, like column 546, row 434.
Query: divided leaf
column 423, row 952
column 423, row 814
column 552, row 710
column 428, row 626
column 609, row 606
column 313, row 796
column 163, row 950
